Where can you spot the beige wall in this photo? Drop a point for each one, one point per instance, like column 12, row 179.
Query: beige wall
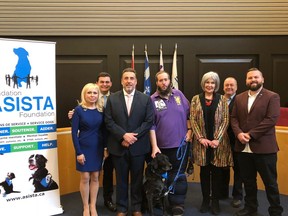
column 69, row 177
column 143, row 17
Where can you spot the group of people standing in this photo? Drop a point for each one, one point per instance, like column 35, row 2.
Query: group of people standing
column 223, row 131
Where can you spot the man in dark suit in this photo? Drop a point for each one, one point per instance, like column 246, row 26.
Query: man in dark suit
column 254, row 116
column 230, row 88
column 129, row 117
column 104, row 81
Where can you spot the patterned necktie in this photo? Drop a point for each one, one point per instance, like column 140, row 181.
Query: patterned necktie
column 229, row 100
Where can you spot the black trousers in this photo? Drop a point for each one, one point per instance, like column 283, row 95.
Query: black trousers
column 265, row 165
column 178, row 194
column 108, row 168
column 237, row 191
column 224, row 186
column 210, row 179
column 129, row 166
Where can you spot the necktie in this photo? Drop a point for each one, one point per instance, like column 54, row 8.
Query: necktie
column 128, row 103
column 105, row 100
column 229, row 100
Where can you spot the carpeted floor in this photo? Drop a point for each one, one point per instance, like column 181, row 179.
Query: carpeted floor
column 73, row 207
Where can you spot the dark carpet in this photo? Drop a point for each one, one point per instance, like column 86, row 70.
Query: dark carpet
column 72, row 204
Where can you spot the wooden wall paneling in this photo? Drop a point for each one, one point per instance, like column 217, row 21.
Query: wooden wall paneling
column 190, row 72
column 265, row 66
column 72, row 73
column 230, row 56
column 226, row 66
column 69, row 178
column 280, row 77
column 282, row 137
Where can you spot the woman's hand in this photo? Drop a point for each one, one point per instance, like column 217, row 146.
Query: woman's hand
column 81, row 159
column 188, row 136
column 214, row 143
column 204, row 142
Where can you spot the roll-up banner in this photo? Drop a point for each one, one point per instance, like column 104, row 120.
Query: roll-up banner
column 29, row 181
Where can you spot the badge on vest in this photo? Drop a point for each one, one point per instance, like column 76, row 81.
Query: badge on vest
column 160, row 105
column 177, row 100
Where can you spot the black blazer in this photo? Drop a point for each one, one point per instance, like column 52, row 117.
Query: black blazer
column 118, row 122
column 229, row 129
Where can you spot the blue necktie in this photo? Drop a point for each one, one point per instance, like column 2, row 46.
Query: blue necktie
column 105, row 100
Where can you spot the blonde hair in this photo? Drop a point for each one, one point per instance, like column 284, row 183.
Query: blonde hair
column 83, row 101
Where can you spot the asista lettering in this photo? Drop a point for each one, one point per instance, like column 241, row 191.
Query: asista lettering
column 26, row 103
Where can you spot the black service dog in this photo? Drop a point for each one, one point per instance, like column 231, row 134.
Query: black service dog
column 42, row 179
column 155, row 185
column 8, row 185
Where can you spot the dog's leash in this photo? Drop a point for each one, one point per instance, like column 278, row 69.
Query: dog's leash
column 180, row 155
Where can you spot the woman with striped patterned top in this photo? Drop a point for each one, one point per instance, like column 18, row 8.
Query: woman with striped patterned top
column 209, row 116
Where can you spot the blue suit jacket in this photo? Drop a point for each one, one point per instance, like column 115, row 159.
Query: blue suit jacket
column 118, row 122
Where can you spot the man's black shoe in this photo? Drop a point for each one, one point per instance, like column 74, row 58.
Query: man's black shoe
column 205, row 206
column 245, row 212
column 110, row 205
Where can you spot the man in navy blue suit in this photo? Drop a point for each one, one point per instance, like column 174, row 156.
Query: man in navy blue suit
column 128, row 118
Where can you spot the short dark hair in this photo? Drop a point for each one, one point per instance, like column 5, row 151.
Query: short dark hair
column 161, row 72
column 103, row 74
column 253, row 69
column 129, row 70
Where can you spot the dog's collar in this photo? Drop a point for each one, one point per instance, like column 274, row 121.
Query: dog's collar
column 164, row 176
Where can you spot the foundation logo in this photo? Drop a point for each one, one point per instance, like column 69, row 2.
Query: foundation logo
column 21, row 76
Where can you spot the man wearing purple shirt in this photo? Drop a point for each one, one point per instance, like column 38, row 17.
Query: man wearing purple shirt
column 171, row 126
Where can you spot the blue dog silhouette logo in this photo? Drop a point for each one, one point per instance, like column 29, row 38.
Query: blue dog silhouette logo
column 22, row 70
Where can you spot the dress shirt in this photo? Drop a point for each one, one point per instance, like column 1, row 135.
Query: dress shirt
column 129, row 100
column 103, row 99
column 251, row 99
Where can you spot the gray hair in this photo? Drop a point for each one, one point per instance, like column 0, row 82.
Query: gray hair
column 211, row 75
